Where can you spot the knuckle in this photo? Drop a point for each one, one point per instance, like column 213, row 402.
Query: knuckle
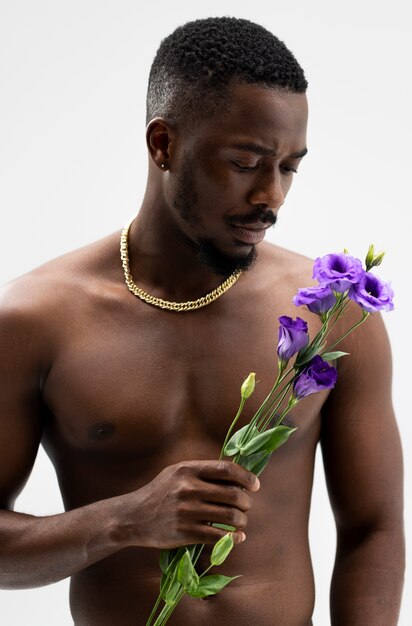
column 224, row 467
column 232, row 516
column 182, row 511
column 240, row 520
column 245, row 501
column 251, row 478
column 187, row 489
column 182, row 468
column 235, row 494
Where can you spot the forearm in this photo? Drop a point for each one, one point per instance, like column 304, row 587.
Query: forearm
column 37, row 551
column 368, row 579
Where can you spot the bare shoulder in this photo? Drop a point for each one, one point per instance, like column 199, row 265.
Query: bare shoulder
column 39, row 310
column 282, row 272
column 287, row 263
column 60, row 282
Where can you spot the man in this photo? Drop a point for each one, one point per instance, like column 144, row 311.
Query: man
column 131, row 394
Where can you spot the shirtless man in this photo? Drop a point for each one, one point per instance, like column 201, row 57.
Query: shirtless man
column 132, row 402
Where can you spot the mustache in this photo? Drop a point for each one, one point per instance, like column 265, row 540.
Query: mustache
column 260, row 215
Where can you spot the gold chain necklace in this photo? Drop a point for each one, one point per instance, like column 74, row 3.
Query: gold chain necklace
column 165, row 304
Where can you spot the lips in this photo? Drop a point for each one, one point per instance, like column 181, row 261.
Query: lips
column 250, row 233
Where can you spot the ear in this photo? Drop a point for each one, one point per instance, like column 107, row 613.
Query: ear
column 160, row 135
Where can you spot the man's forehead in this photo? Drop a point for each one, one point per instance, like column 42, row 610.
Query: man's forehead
column 261, row 149
column 259, row 120
column 255, row 107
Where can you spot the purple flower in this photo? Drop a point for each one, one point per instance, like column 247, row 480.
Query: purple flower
column 372, row 294
column 315, row 376
column 293, row 336
column 318, row 299
column 339, row 271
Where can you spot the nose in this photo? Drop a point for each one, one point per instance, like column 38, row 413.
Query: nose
column 268, row 191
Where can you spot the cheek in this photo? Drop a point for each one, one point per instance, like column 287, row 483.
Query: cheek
column 286, row 184
column 220, row 188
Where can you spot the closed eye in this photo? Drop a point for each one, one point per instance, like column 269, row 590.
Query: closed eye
column 288, row 170
column 245, row 168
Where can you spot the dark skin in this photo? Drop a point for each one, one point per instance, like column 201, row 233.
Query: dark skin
column 132, row 403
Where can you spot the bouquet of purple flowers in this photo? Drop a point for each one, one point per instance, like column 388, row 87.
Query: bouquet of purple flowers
column 341, row 279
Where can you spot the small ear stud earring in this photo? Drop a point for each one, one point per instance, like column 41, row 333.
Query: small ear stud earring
column 163, row 166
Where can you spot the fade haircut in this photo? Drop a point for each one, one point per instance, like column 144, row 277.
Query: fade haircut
column 195, row 65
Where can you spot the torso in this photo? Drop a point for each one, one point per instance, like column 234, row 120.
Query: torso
column 132, row 389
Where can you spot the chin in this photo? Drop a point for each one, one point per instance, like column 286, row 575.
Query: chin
column 222, row 263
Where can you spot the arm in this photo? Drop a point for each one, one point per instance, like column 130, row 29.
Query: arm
column 35, row 551
column 363, row 466
column 170, row 511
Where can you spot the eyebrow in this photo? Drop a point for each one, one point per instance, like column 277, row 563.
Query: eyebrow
column 257, row 149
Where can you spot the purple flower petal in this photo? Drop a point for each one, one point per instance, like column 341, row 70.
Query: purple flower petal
column 293, row 336
column 339, row 271
column 372, row 294
column 318, row 299
column 317, row 375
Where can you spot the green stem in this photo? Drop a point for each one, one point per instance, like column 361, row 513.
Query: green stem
column 206, row 571
column 286, row 411
column 156, row 606
column 264, row 409
column 168, row 610
column 273, row 412
column 339, row 315
column 364, row 317
column 229, row 432
column 270, row 411
column 325, row 329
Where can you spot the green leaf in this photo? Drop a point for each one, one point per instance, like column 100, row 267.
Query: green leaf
column 332, row 356
column 223, row 526
column 222, row 549
column 165, row 558
column 232, row 447
column 169, row 588
column 268, row 441
column 186, row 573
column 250, row 460
column 210, row 585
column 305, row 355
column 255, row 462
column 172, row 593
column 260, row 465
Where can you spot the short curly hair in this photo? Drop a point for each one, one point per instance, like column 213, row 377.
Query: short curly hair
column 196, row 63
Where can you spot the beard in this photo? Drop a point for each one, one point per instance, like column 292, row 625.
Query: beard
column 223, row 264
column 186, row 201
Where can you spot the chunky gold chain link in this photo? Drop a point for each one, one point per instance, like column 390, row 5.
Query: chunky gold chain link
column 165, row 304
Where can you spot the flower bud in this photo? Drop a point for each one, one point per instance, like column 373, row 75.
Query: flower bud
column 369, row 257
column 372, row 259
column 293, row 336
column 378, row 259
column 248, row 386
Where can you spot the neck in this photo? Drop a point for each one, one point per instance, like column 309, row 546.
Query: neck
column 163, row 261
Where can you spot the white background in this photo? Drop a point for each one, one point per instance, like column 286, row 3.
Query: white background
column 73, row 77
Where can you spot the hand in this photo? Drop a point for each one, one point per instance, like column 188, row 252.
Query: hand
column 177, row 507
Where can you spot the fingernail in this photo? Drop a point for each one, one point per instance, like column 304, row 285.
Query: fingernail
column 256, row 485
column 242, row 537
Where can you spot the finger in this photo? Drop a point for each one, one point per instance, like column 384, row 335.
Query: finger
column 229, row 472
column 223, row 515
column 210, row 535
column 228, row 494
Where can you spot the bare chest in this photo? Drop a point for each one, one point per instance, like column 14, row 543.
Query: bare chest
column 144, row 384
